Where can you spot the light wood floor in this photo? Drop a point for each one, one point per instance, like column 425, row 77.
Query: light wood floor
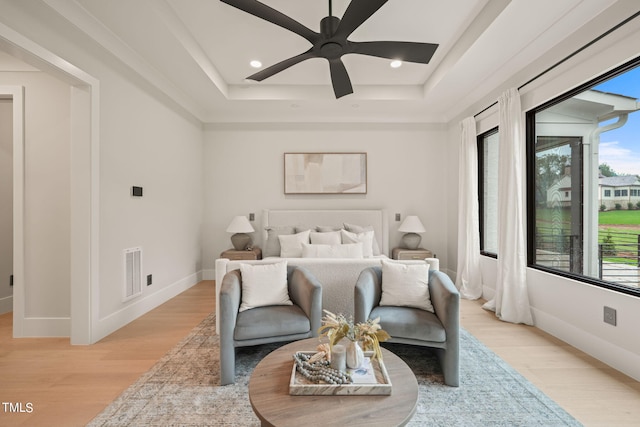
column 69, row 385
column 594, row 393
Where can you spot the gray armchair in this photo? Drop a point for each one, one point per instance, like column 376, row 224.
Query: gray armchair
column 414, row 326
column 268, row 324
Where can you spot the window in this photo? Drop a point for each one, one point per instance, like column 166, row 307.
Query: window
column 577, row 144
column 488, row 189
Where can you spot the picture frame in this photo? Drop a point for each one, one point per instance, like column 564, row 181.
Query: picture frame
column 325, row 173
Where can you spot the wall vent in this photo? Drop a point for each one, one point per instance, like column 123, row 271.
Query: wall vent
column 132, row 272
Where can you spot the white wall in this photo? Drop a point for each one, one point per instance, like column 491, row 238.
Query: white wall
column 244, row 174
column 146, row 140
column 6, row 204
column 570, row 310
column 144, row 143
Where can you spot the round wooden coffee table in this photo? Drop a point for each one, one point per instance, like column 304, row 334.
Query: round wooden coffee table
column 272, row 403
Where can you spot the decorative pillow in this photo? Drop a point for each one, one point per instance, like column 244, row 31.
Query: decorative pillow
column 291, row 246
column 327, row 238
column 351, row 250
column 366, row 238
column 360, row 229
column 264, row 284
column 406, row 285
column 326, row 228
column 272, row 246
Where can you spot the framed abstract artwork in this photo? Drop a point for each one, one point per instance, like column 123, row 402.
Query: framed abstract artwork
column 325, row 173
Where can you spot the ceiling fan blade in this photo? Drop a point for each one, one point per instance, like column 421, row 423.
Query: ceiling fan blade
column 339, row 78
column 404, row 51
column 269, row 14
column 281, row 66
column 357, row 12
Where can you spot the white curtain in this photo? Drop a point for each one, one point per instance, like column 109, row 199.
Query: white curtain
column 469, row 278
column 511, row 302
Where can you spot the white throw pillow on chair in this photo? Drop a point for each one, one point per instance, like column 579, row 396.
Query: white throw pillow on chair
column 406, row 285
column 264, row 284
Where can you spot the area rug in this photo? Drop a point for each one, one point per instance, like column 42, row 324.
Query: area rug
column 182, row 389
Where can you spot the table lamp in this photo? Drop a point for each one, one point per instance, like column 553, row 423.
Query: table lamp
column 411, row 226
column 240, row 226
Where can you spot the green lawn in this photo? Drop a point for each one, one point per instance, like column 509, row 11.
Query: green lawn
column 562, row 217
column 556, row 218
column 614, row 231
column 623, row 240
column 621, row 217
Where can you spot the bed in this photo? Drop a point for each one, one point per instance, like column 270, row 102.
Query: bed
column 337, row 275
column 374, row 218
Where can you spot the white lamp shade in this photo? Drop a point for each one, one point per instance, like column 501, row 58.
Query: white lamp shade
column 412, row 224
column 240, row 224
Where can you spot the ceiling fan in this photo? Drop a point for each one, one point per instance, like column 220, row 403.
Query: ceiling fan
column 331, row 43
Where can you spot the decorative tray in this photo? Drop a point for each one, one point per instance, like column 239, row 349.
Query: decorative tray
column 371, row 379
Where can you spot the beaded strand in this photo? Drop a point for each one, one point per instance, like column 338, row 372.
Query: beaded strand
column 319, row 371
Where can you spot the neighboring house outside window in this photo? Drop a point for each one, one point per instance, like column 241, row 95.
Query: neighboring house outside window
column 626, row 189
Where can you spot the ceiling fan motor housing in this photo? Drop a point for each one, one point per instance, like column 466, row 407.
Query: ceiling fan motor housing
column 330, row 47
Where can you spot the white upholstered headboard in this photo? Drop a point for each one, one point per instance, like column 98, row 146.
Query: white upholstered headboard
column 377, row 218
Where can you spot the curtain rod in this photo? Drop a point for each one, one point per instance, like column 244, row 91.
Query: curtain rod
column 566, row 58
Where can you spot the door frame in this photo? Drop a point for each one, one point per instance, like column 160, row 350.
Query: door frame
column 85, row 157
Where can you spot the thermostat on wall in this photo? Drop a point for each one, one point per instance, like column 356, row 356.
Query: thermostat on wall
column 136, row 191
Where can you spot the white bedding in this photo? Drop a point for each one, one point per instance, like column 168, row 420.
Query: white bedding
column 374, row 218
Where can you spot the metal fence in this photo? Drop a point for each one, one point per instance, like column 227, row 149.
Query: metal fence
column 618, row 254
column 555, row 250
column 619, row 257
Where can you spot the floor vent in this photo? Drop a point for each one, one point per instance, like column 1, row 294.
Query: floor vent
column 133, row 272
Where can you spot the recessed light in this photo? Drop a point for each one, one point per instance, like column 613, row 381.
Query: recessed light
column 255, row 64
column 396, row 64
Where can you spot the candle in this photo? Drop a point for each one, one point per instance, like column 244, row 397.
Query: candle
column 339, row 358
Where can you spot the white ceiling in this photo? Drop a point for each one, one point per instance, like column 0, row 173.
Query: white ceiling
column 198, row 53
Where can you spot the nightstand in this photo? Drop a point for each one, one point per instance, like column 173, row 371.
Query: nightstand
column 233, row 255
column 402, row 253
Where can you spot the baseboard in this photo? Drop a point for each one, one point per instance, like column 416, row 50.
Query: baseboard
column 619, row 358
column 6, row 304
column 46, row 327
column 614, row 356
column 39, row 327
column 120, row 318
